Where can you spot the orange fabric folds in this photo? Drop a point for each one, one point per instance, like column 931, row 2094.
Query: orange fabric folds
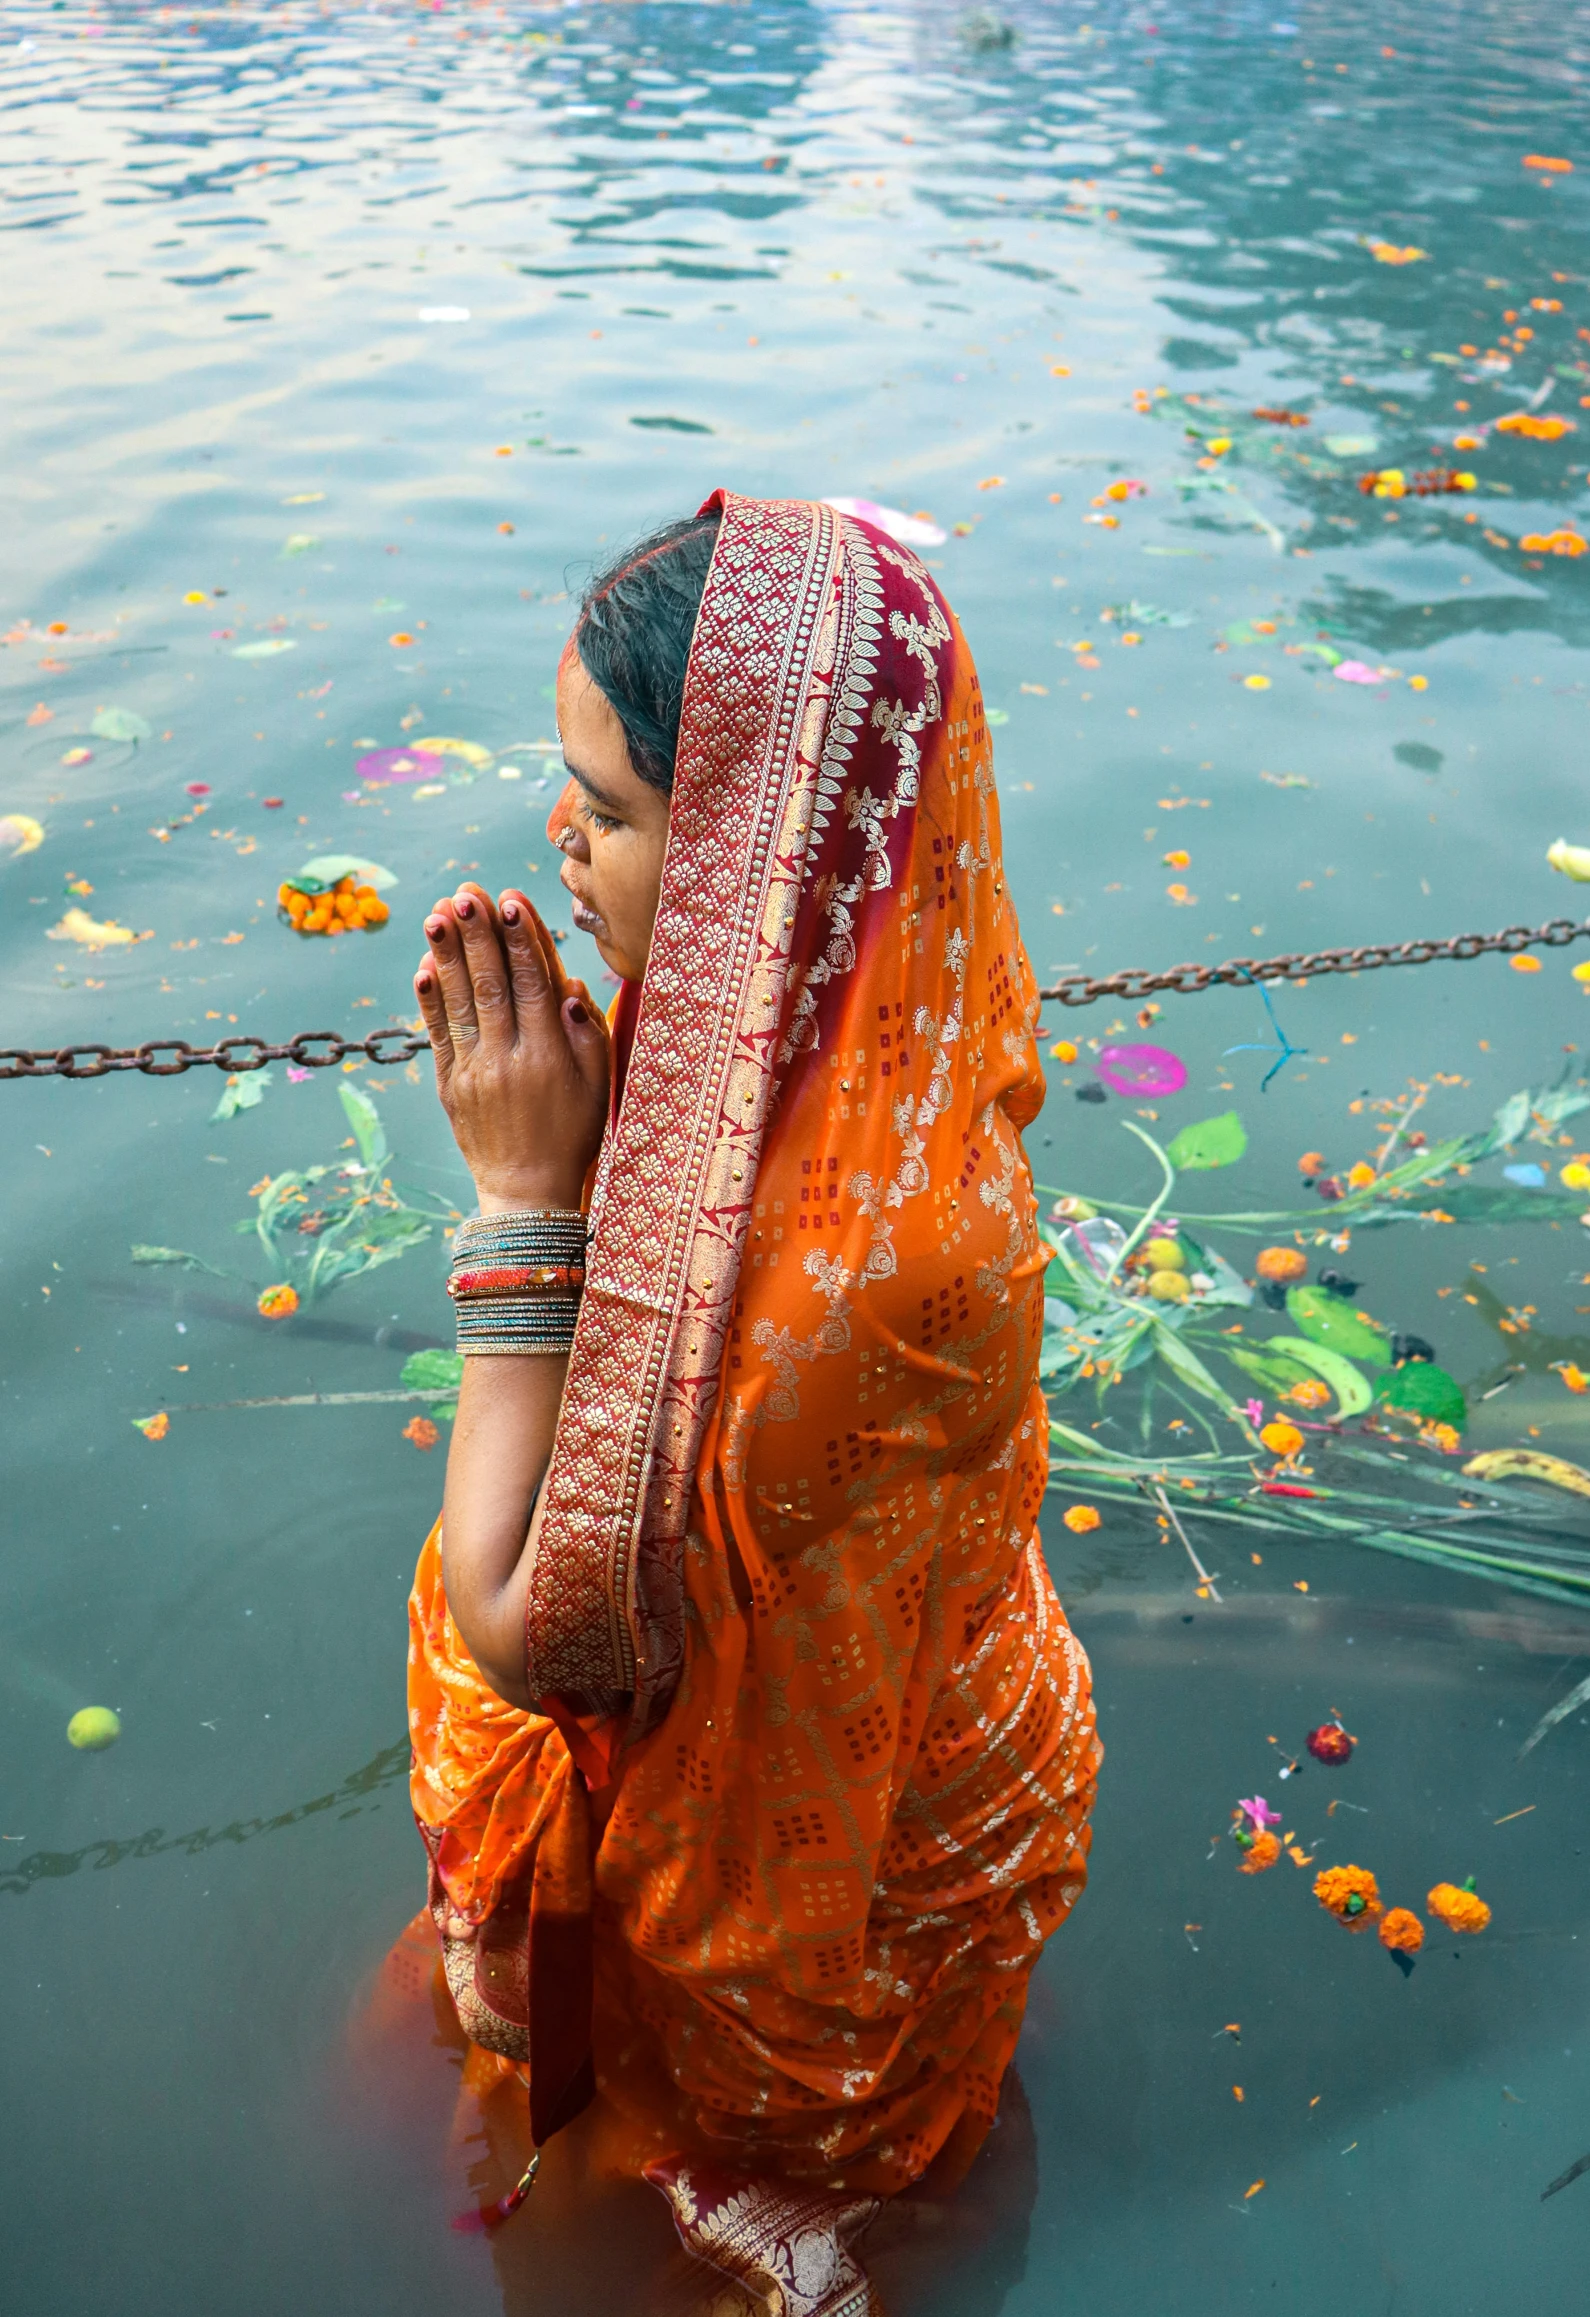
column 789, row 1563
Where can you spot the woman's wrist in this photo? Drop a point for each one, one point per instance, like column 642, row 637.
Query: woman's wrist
column 507, row 1195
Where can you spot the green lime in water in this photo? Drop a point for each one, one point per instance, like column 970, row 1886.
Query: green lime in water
column 93, row 1727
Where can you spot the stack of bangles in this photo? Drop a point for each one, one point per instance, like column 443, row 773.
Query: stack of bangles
column 517, row 1279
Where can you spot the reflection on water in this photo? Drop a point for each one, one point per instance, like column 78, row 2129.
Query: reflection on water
column 51, row 1865
column 343, row 340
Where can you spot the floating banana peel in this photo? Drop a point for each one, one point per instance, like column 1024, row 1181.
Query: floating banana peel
column 1572, row 860
column 1528, row 1464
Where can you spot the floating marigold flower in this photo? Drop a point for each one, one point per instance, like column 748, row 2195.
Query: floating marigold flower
column 1079, row 1518
column 154, row 1427
column 1331, row 1743
column 1311, row 1163
column 1260, row 1853
column 991, row 483
column 1178, row 860
column 401, row 638
column 1257, row 683
column 1402, row 1932
column 1522, row 964
column 1534, row 428
column 278, row 1302
column 1550, row 162
column 1281, row 1262
column 1458, row 1907
column 1388, row 253
column 421, row 1431
column 1350, row 1893
column 1574, row 1377
column 1360, row 1177
column 1062, row 1051
column 1281, row 1439
column 1562, row 541
column 1310, row 1393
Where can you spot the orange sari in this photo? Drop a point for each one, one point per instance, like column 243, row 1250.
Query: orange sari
column 811, row 1783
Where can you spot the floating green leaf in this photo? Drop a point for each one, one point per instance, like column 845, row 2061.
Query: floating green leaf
column 320, row 874
column 244, row 1090
column 1351, row 1389
column 365, row 1119
column 1419, row 1388
column 1326, row 1319
column 1272, row 1369
column 178, row 1256
column 1212, row 1142
column 119, row 724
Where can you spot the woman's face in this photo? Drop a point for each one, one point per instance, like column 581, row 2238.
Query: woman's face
column 610, row 825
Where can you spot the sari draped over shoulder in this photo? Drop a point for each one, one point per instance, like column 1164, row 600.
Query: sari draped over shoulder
column 789, row 1625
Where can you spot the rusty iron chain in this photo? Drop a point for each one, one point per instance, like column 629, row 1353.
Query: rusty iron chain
column 169, row 1057
column 1301, row 966
column 324, row 1050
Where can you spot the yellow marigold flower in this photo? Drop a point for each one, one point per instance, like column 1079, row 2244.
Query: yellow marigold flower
column 1458, row 1907
column 1080, row 1518
column 1350, row 1893
column 1402, row 1932
column 1218, row 445
column 1064, row 1051
column 1360, row 1177
column 278, row 1302
column 1257, row 683
column 1281, row 1439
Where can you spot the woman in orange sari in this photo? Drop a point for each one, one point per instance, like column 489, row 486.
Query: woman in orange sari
column 752, row 1751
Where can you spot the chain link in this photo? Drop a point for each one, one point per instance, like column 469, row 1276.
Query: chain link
column 1301, row 966
column 169, row 1057
column 324, row 1050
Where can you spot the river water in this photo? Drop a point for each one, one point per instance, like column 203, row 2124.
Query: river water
column 340, row 341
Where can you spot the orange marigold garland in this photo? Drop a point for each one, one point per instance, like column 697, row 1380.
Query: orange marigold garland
column 1350, row 1893
column 345, row 907
column 1458, row 1907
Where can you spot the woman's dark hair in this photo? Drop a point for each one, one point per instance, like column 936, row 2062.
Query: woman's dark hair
column 637, row 617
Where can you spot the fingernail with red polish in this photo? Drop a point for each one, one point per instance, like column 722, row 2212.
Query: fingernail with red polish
column 577, row 1012
column 423, row 984
column 464, row 906
column 510, row 913
column 435, row 927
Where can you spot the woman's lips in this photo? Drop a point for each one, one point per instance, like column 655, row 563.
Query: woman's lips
column 586, row 919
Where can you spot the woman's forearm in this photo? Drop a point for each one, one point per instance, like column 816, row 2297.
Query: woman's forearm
column 502, row 1443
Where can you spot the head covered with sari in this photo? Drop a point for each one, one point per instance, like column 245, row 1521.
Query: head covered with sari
column 787, row 1597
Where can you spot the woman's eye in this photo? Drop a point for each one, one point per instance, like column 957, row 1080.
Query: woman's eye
column 602, row 821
